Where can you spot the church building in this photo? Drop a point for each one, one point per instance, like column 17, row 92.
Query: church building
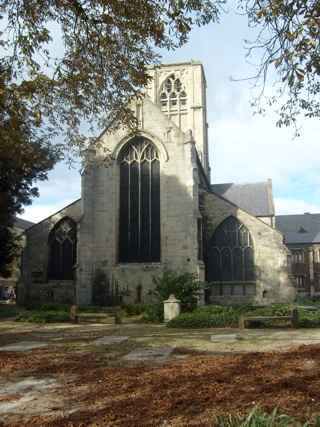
column 148, row 206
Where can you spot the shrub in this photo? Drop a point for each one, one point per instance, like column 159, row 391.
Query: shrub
column 53, row 316
column 226, row 311
column 186, row 287
column 216, row 315
column 204, row 317
column 7, row 310
column 272, row 310
column 133, row 310
column 88, row 308
column 308, row 319
column 54, row 306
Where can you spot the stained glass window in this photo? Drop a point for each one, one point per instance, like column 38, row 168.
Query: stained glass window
column 139, row 236
column 231, row 258
column 63, row 250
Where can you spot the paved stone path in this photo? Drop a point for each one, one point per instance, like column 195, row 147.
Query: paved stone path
column 149, row 353
column 111, row 340
column 23, row 346
column 141, row 353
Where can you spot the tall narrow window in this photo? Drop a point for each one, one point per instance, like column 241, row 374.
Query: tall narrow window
column 63, row 250
column 139, row 236
column 297, row 255
column 231, row 262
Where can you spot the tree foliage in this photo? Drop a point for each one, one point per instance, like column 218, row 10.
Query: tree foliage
column 68, row 62
column 24, row 158
column 104, row 48
column 288, row 42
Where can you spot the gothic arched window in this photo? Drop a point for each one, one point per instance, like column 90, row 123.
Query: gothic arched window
column 231, row 259
column 139, row 236
column 63, row 250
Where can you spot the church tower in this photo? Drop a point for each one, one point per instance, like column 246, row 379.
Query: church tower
column 179, row 91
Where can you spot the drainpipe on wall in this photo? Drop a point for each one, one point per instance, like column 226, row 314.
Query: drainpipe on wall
column 311, row 271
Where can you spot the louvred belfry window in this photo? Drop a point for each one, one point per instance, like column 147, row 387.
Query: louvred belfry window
column 173, row 96
column 139, row 236
column 63, row 250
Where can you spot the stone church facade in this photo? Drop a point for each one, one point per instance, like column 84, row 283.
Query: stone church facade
column 147, row 206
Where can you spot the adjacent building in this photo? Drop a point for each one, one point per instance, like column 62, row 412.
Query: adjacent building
column 302, row 237
column 10, row 283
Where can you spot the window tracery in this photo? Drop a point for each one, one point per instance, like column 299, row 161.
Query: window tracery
column 139, row 236
column 231, row 259
column 63, row 250
column 173, row 96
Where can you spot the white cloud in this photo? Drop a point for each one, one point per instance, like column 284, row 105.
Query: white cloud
column 39, row 211
column 62, row 188
column 293, row 206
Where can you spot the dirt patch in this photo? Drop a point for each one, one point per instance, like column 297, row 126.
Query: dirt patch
column 85, row 384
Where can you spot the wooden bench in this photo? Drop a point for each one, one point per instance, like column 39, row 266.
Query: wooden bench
column 294, row 318
column 116, row 312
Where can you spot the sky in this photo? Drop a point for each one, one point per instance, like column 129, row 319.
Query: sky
column 244, row 147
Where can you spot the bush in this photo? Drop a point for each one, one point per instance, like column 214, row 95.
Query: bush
column 272, row 310
column 7, row 310
column 129, row 310
column 54, row 306
column 88, row 308
column 52, row 316
column 204, row 317
column 216, row 315
column 186, row 287
column 309, row 319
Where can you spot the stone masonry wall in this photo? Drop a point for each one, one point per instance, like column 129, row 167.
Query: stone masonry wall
column 272, row 273
column 33, row 285
column 98, row 237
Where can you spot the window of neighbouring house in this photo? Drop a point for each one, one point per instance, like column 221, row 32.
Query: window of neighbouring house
column 297, row 255
column 139, row 224
column 63, row 250
column 301, row 280
column 231, row 259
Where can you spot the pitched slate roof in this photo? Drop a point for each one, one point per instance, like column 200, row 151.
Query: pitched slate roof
column 255, row 198
column 299, row 229
column 22, row 223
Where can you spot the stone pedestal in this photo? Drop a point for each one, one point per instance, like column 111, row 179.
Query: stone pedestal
column 172, row 308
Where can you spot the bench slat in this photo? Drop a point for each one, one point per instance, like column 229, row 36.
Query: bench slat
column 268, row 318
column 294, row 318
column 116, row 313
column 94, row 314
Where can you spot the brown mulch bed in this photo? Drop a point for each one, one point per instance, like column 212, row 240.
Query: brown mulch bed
column 95, row 391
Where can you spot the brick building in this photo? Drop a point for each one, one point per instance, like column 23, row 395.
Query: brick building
column 302, row 237
column 152, row 208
